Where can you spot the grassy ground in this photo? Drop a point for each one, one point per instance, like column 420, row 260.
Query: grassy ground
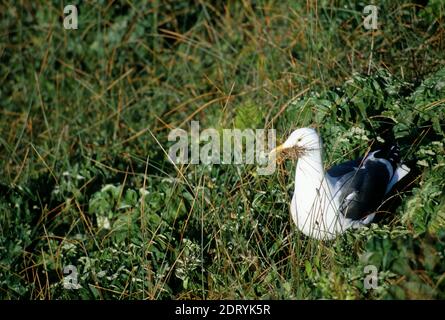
column 85, row 115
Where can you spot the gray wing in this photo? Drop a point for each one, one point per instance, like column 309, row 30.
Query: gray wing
column 342, row 173
column 364, row 191
column 360, row 187
column 344, row 168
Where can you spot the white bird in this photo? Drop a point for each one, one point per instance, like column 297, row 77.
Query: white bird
column 324, row 205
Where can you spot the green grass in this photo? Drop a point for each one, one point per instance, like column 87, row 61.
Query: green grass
column 85, row 116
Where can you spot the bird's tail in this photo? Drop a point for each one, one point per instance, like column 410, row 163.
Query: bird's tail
column 390, row 153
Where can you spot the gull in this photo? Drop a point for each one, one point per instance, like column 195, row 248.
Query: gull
column 326, row 204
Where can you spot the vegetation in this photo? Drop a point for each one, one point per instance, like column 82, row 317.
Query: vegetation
column 85, row 179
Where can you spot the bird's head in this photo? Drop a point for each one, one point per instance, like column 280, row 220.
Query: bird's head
column 299, row 142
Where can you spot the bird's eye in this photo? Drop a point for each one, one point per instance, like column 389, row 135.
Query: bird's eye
column 299, row 139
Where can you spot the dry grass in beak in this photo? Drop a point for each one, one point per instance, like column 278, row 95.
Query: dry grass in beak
column 289, row 153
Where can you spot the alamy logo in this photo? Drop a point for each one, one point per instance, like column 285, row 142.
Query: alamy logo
column 371, row 279
column 70, row 276
column 70, row 21
column 370, row 22
column 205, row 147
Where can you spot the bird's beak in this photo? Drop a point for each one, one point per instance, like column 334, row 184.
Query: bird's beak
column 277, row 149
column 287, row 152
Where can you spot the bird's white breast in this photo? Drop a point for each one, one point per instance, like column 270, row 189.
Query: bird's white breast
column 314, row 208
